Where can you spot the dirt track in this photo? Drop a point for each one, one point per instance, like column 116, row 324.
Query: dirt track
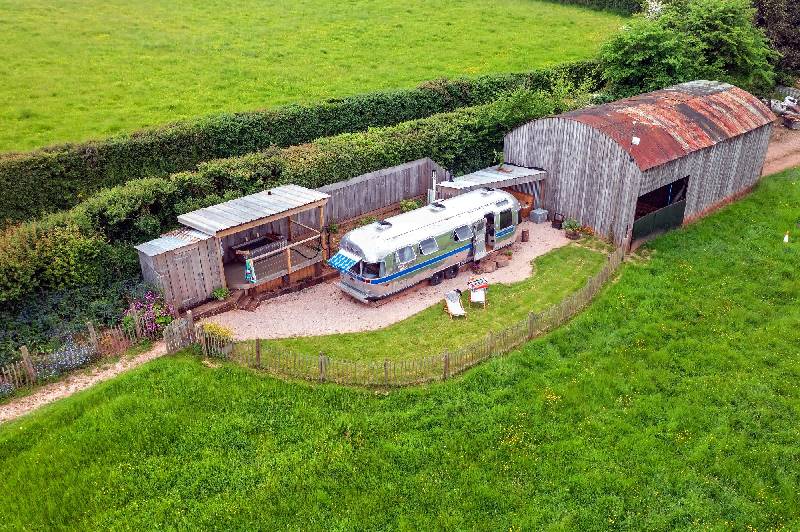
column 783, row 152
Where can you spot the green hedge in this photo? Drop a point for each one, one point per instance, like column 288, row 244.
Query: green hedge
column 626, row 7
column 92, row 243
column 59, row 177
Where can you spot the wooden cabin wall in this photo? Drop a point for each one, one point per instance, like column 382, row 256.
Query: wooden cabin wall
column 589, row 177
column 186, row 275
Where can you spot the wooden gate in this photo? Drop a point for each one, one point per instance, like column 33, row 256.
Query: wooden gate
column 178, row 334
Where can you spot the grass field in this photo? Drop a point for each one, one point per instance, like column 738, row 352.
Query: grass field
column 558, row 274
column 74, row 70
column 673, row 402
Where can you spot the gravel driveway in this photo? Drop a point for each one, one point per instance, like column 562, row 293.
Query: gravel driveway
column 325, row 309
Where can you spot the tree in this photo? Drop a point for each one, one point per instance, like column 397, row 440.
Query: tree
column 781, row 22
column 690, row 39
column 647, row 56
column 735, row 49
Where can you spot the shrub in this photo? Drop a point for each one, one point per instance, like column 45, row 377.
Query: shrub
column 63, row 175
column 690, row 39
column 43, row 321
column 409, row 205
column 366, row 220
column 218, row 332
column 625, row 7
column 151, row 311
column 571, row 225
column 333, row 228
column 221, row 293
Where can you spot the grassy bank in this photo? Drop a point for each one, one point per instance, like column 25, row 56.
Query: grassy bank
column 672, row 403
column 122, row 65
column 557, row 275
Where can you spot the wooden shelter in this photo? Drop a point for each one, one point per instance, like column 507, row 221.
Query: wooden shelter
column 249, row 243
column 643, row 164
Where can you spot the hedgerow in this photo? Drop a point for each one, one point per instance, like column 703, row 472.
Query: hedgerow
column 91, row 245
column 59, row 177
column 619, row 6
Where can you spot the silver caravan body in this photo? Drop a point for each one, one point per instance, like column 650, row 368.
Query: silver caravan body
column 431, row 242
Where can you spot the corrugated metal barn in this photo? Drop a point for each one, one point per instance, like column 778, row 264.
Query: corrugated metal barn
column 646, row 163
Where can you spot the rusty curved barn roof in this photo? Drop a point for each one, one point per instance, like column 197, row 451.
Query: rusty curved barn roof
column 676, row 121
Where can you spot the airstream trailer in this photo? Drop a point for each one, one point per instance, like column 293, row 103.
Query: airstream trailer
column 429, row 243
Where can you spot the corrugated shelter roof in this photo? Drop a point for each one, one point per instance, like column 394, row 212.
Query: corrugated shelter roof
column 171, row 241
column 509, row 176
column 676, row 121
column 265, row 205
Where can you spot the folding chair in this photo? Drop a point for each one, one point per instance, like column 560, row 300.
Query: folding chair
column 452, row 304
column 477, row 291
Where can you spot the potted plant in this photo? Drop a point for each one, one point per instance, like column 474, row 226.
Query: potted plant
column 572, row 229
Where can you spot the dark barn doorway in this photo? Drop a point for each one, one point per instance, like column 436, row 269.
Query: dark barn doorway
column 661, row 209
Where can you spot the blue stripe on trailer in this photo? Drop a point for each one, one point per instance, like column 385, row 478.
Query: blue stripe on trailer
column 419, row 266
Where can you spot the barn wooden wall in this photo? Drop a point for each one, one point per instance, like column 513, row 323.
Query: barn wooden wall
column 592, row 179
column 589, row 177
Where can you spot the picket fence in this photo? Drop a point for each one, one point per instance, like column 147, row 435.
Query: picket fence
column 388, row 373
column 73, row 351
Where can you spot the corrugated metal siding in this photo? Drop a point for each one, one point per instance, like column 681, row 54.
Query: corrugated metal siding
column 676, row 121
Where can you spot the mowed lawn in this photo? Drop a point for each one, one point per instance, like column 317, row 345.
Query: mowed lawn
column 673, row 402
column 558, row 274
column 73, row 70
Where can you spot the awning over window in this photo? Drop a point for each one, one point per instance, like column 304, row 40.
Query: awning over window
column 343, row 261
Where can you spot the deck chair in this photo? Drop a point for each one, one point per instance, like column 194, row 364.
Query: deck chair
column 477, row 291
column 478, row 297
column 452, row 304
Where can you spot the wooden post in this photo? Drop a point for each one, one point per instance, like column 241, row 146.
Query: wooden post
column 204, row 344
column 386, row 372
column 322, row 368
column 26, row 362
column 322, row 231
column 93, row 337
column 190, row 324
column 446, row 366
column 289, row 230
column 258, row 353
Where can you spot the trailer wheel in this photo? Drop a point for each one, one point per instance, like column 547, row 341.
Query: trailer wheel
column 451, row 272
column 436, row 278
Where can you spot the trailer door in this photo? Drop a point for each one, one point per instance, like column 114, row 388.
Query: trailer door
column 479, row 240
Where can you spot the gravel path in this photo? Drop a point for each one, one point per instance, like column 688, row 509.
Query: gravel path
column 75, row 382
column 325, row 309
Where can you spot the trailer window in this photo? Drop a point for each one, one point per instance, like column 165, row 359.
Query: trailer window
column 405, row 255
column 462, row 233
column 505, row 219
column 428, row 246
column 370, row 270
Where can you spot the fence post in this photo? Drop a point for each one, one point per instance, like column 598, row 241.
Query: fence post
column 386, row 372
column 531, row 321
column 204, row 344
column 26, row 361
column 258, row 353
column 93, row 337
column 446, row 366
column 322, row 367
column 190, row 324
